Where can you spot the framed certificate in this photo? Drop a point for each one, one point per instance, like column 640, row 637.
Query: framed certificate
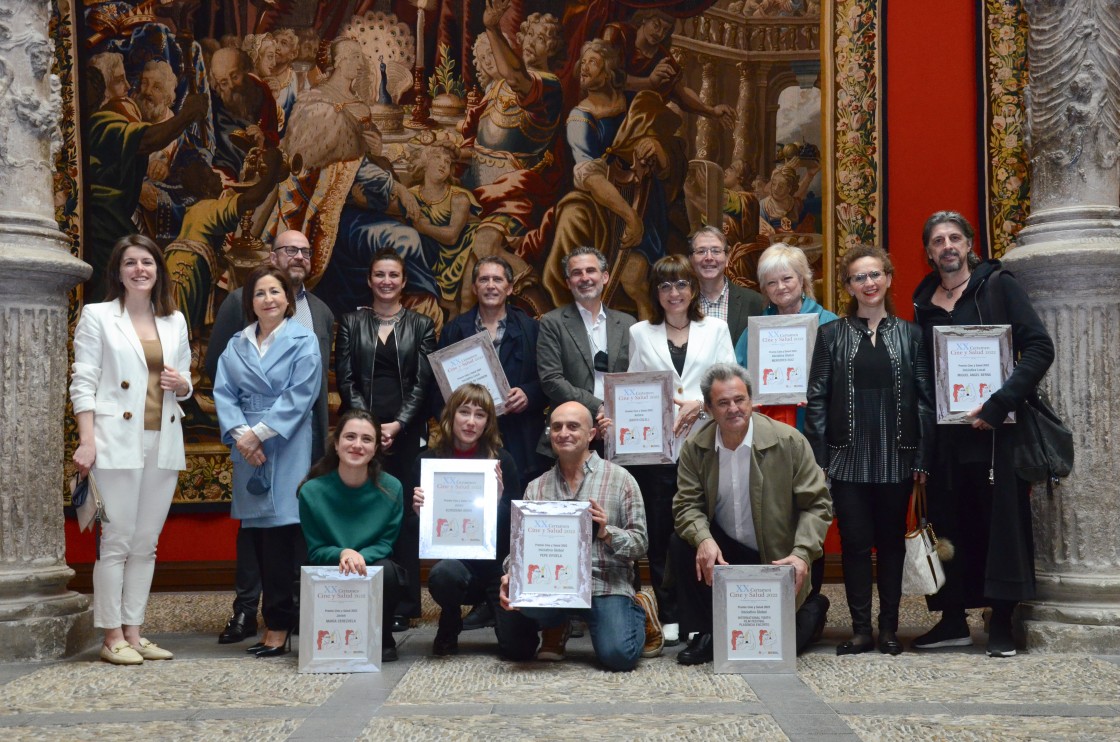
column 471, row 360
column 641, row 406
column 340, row 620
column 753, row 626
column 778, row 356
column 550, row 554
column 459, row 519
column 970, row 363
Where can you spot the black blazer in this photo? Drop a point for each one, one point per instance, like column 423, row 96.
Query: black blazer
column 742, row 303
column 518, row 356
column 828, row 414
column 230, row 321
column 354, row 348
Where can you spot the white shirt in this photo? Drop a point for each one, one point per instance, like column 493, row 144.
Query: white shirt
column 596, row 326
column 262, row 345
column 733, row 499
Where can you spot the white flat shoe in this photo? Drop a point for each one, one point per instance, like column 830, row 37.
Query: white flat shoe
column 121, row 653
column 150, row 651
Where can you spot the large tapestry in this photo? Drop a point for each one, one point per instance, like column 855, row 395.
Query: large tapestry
column 361, row 122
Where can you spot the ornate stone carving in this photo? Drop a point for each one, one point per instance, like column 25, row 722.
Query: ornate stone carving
column 1073, row 102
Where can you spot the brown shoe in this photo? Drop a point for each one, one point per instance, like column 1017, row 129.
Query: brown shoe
column 655, row 641
column 553, row 642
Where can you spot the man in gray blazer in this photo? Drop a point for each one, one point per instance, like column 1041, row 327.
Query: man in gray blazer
column 291, row 253
column 719, row 297
column 580, row 342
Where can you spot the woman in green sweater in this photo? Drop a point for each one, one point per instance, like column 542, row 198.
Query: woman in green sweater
column 351, row 512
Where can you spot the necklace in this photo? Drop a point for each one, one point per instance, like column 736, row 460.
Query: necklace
column 390, row 320
column 684, row 327
column 949, row 291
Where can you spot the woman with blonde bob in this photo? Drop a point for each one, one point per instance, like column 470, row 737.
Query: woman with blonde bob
column 468, row 429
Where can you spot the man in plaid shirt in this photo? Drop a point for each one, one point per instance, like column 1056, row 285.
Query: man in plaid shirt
column 617, row 618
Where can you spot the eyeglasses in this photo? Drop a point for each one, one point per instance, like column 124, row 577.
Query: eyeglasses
column 291, row 251
column 681, row 285
column 715, row 252
column 861, row 278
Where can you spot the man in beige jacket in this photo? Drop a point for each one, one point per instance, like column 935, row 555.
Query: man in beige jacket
column 748, row 492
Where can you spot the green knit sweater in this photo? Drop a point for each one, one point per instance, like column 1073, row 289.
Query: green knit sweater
column 334, row 517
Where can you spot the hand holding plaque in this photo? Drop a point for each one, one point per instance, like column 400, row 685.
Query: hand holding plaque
column 471, row 360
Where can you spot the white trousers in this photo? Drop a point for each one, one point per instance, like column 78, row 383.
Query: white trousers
column 136, row 505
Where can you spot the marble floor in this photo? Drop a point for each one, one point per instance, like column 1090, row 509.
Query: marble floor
column 217, row 692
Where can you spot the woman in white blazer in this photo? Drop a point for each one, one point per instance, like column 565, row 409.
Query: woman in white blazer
column 680, row 339
column 131, row 369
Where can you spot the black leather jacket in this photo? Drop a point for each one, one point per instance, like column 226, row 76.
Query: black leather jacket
column 829, row 422
column 354, row 348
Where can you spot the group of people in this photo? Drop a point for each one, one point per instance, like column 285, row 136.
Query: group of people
column 750, row 485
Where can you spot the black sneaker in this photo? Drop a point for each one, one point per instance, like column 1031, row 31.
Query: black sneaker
column 446, row 643
column 1000, row 643
column 947, row 633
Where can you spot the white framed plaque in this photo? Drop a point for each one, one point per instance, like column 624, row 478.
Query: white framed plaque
column 471, row 360
column 753, row 626
column 340, row 620
column 459, row 519
column 640, row 405
column 550, row 554
column 970, row 362
column 779, row 352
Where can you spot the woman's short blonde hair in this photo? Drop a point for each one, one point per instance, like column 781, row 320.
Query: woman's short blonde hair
column 782, row 257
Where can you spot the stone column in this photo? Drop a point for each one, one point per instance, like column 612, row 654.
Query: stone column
column 706, row 127
column 39, row 617
column 1068, row 258
column 743, row 114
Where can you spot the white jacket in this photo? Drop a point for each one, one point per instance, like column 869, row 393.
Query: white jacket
column 111, row 380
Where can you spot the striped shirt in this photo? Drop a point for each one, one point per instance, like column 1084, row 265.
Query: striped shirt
column 612, row 487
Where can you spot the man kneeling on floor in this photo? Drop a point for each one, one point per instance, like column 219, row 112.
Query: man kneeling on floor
column 617, row 618
column 748, row 492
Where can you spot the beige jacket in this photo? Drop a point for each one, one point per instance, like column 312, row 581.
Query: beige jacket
column 790, row 502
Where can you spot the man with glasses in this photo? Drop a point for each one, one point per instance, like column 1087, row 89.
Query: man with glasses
column 719, row 297
column 748, row 492
column 582, row 341
column 291, row 253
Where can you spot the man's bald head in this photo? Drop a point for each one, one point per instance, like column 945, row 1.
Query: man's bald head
column 296, row 266
column 571, row 428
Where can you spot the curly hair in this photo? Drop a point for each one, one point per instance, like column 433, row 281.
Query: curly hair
column 612, row 61
column 419, row 158
column 490, row 442
column 552, row 27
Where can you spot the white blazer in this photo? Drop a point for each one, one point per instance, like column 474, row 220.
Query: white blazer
column 709, row 342
column 111, row 380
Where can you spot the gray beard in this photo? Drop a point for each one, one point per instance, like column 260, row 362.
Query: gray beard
column 152, row 110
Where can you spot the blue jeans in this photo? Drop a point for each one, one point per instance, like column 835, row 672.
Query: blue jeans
column 617, row 625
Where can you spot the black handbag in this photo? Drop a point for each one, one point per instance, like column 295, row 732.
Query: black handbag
column 1043, row 444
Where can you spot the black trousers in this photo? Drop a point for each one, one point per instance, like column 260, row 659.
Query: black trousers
column 392, row 577
column 872, row 516
column 400, row 461
column 694, row 598
column 454, row 583
column 277, row 549
column 658, row 484
column 247, row 577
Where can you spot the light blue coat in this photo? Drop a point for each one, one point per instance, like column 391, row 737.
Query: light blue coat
column 279, row 390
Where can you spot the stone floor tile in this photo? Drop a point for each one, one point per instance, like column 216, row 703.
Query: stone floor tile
column 794, row 724
column 962, row 678
column 248, row 730
column 564, row 728
column 492, row 680
column 176, row 684
column 983, row 728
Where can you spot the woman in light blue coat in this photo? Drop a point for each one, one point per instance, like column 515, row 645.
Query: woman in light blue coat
column 267, row 382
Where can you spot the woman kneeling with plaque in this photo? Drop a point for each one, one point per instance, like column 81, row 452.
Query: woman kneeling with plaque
column 870, row 422
column 468, row 429
column 351, row 512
